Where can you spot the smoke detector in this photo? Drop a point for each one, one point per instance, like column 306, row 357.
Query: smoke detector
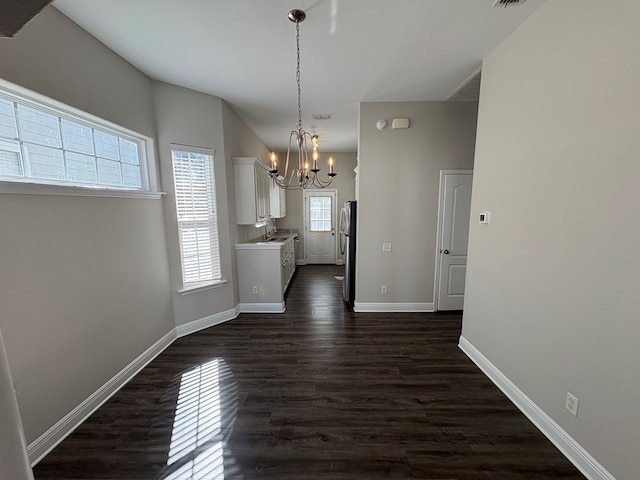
column 506, row 3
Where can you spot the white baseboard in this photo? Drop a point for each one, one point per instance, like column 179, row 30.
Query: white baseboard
column 206, row 322
column 261, row 307
column 67, row 424
column 301, row 261
column 340, row 261
column 571, row 449
column 393, row 307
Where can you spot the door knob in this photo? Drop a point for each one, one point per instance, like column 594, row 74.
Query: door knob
column 446, row 252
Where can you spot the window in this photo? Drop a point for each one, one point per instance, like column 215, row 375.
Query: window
column 45, row 142
column 320, row 214
column 197, row 218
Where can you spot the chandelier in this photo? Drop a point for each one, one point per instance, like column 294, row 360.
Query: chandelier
column 306, row 173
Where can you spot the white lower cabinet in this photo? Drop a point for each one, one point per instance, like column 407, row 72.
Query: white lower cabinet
column 265, row 270
column 288, row 260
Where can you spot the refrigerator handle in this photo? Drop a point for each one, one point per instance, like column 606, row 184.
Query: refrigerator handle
column 343, row 218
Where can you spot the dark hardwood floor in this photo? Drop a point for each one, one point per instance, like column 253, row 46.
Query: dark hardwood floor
column 319, row 392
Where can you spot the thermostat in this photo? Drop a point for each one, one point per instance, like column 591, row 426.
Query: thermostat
column 484, row 217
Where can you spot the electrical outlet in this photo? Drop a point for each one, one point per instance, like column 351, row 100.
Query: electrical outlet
column 571, row 404
column 254, row 289
column 383, row 289
column 386, row 247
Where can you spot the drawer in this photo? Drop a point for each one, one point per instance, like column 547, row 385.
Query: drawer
column 287, row 249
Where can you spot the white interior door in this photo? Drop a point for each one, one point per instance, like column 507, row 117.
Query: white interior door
column 454, row 216
column 320, row 225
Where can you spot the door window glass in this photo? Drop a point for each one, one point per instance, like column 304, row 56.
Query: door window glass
column 320, row 214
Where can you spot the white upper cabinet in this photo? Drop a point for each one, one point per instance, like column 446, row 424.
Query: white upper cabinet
column 278, row 202
column 253, row 190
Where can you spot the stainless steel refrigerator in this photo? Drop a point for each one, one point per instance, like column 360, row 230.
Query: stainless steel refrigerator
column 347, row 229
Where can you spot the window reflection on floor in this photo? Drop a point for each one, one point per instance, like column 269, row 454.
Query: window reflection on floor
column 197, row 441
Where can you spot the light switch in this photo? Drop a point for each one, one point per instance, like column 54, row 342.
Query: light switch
column 484, row 217
column 386, row 247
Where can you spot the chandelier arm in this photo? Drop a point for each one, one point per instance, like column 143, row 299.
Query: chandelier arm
column 318, row 182
column 291, row 135
column 285, row 184
column 304, row 154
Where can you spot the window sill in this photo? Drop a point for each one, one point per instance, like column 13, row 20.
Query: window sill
column 202, row 287
column 27, row 188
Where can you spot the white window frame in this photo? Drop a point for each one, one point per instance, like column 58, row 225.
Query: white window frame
column 30, row 185
column 216, row 279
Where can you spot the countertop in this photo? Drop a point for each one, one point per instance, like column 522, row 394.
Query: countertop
column 276, row 241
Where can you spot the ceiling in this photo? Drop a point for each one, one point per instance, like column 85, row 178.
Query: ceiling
column 351, row 51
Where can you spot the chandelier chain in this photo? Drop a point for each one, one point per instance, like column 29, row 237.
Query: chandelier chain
column 298, row 74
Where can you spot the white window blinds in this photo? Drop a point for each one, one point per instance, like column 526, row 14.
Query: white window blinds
column 197, row 218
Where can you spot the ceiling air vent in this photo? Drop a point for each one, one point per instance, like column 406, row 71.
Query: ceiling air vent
column 506, row 3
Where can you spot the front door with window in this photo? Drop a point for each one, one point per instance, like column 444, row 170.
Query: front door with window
column 320, row 219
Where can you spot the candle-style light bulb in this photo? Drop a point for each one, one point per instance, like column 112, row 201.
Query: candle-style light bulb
column 331, row 172
column 274, row 161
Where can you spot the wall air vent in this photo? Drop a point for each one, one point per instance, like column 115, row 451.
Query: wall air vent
column 506, row 3
column 321, row 116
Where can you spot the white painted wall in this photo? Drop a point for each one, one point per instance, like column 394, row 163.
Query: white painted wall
column 399, row 173
column 84, row 281
column 191, row 118
column 55, row 57
column 239, row 141
column 552, row 283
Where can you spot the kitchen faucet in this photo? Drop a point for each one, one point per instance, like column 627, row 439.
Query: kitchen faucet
column 264, row 223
